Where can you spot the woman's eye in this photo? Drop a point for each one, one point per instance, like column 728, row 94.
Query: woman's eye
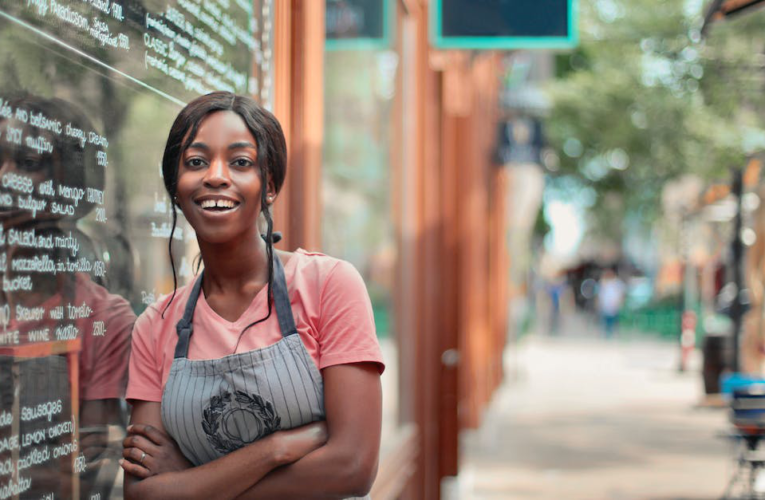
column 31, row 164
column 195, row 162
column 242, row 162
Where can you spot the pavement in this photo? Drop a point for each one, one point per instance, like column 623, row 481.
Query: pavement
column 579, row 417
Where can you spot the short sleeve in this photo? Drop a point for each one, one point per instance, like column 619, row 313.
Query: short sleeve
column 347, row 327
column 144, row 375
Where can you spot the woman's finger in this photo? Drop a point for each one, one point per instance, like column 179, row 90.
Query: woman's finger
column 135, row 469
column 138, row 456
column 139, row 441
column 152, row 433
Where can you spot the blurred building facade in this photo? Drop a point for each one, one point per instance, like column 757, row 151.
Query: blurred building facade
column 731, row 276
column 452, row 258
column 444, row 236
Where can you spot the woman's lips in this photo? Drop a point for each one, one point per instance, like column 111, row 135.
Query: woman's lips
column 216, row 213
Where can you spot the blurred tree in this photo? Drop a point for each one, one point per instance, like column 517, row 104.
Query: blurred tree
column 645, row 98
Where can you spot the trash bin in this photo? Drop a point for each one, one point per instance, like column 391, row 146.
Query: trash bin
column 718, row 358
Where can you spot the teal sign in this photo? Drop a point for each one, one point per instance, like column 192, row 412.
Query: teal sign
column 504, row 24
column 358, row 24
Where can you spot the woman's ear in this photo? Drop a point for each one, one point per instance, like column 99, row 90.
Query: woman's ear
column 271, row 193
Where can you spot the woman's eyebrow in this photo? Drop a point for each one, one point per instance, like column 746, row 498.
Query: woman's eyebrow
column 243, row 144
column 199, row 145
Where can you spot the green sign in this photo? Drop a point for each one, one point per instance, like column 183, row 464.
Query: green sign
column 358, row 24
column 504, row 24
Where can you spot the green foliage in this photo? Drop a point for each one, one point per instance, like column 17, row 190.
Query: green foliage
column 541, row 225
column 645, row 99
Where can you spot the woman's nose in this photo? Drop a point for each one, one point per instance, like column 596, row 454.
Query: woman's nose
column 218, row 174
column 6, row 165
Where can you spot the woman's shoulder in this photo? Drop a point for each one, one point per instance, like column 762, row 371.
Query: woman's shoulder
column 324, row 276
column 319, row 267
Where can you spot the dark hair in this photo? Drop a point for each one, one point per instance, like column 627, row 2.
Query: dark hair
column 271, row 160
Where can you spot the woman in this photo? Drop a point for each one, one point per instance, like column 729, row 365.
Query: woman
column 232, row 378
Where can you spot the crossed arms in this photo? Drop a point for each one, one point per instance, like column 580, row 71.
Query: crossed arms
column 336, row 459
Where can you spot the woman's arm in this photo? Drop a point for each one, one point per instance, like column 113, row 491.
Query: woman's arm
column 226, row 477
column 347, row 464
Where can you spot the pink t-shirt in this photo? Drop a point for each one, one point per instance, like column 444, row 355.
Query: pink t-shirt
column 329, row 301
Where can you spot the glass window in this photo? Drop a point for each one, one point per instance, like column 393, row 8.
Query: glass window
column 88, row 91
column 356, row 224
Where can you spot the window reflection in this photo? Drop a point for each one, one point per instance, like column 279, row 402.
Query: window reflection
column 65, row 338
column 88, row 91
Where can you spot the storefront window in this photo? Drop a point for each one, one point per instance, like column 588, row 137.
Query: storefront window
column 88, row 91
column 357, row 225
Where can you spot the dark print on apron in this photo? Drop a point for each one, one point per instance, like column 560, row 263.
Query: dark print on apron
column 223, row 421
column 215, row 406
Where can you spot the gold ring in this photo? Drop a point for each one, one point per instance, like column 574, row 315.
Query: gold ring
column 143, row 455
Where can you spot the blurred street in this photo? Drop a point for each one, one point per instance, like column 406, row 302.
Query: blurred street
column 583, row 418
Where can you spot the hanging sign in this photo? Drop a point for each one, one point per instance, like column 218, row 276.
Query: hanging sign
column 503, row 24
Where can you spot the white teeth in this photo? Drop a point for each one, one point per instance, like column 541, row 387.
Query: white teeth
column 216, row 204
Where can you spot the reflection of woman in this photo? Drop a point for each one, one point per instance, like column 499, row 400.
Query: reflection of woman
column 69, row 162
column 225, row 379
column 60, row 305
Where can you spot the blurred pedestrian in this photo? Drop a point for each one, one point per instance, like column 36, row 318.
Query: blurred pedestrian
column 610, row 299
column 555, row 291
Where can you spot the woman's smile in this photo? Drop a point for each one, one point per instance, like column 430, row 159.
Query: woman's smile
column 217, row 211
column 216, row 204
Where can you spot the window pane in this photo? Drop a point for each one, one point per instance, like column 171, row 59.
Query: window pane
column 88, row 91
column 357, row 226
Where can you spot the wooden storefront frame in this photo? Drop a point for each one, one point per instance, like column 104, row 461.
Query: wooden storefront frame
column 451, row 309
column 299, row 106
column 416, row 222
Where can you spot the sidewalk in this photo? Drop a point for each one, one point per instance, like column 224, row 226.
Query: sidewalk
column 590, row 419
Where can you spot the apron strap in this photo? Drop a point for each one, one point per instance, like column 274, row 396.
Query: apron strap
column 282, row 300
column 185, row 326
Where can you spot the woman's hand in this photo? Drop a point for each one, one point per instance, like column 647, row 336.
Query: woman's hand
column 163, row 455
column 147, row 451
column 292, row 445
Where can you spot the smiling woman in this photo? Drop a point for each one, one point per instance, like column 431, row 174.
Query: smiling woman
column 221, row 409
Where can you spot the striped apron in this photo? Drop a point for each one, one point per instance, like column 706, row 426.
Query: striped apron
column 213, row 407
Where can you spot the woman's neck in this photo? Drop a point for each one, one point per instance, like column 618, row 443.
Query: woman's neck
column 235, row 265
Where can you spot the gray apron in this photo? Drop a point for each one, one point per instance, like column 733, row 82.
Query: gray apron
column 213, row 407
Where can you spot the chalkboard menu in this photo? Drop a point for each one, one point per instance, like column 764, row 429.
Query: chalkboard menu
column 88, row 90
column 358, row 24
column 503, row 24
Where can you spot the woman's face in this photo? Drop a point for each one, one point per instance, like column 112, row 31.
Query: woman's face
column 219, row 181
